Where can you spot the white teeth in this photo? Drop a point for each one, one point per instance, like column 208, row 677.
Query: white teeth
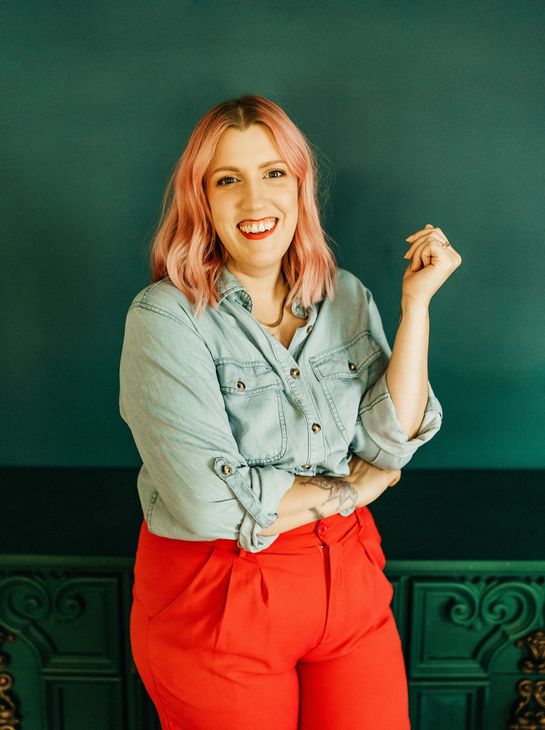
column 259, row 227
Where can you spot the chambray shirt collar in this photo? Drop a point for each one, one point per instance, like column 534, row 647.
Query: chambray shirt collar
column 229, row 285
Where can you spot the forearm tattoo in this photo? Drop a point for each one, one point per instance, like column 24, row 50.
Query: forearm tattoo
column 338, row 489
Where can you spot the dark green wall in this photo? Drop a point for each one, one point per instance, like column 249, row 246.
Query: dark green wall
column 424, row 112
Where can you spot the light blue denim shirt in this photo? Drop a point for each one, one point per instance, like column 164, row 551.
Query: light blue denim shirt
column 224, row 416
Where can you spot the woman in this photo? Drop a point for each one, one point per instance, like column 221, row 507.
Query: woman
column 268, row 410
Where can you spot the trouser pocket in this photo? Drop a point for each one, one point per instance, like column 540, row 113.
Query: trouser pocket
column 165, row 569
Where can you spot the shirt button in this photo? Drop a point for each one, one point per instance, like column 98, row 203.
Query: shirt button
column 294, row 372
column 240, row 385
column 352, row 366
column 322, row 529
column 309, row 329
column 226, row 469
column 305, row 466
column 316, row 427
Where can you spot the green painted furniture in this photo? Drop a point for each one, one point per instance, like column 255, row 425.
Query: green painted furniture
column 472, row 629
column 70, row 665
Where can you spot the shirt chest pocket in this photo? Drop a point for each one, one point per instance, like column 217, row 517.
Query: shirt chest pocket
column 252, row 392
column 343, row 373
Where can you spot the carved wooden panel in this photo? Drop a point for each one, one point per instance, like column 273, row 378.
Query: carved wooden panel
column 69, row 658
column 70, row 665
column 459, row 623
column 450, row 704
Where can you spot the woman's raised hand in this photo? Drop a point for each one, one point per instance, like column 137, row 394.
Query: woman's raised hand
column 370, row 481
column 433, row 260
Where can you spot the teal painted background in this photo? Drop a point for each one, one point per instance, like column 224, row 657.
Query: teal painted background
column 422, row 112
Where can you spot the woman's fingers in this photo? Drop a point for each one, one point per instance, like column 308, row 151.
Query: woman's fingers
column 416, row 255
column 424, row 254
column 424, row 238
column 421, row 252
column 428, row 237
column 423, row 232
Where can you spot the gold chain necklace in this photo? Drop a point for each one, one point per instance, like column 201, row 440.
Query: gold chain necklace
column 280, row 319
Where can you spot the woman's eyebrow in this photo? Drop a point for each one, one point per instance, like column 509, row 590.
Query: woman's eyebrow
column 235, row 169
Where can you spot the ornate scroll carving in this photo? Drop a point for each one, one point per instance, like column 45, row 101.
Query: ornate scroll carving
column 8, row 710
column 508, row 606
column 511, row 604
column 31, row 601
column 529, row 713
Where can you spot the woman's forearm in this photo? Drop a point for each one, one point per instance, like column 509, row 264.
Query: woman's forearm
column 407, row 372
column 310, row 499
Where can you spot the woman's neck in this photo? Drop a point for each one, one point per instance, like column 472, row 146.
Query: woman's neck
column 268, row 290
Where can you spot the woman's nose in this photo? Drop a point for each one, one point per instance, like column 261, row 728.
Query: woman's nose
column 253, row 196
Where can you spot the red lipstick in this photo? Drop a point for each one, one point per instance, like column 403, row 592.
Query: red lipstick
column 258, row 236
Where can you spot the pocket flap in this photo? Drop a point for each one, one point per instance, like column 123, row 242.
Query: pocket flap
column 348, row 360
column 244, row 378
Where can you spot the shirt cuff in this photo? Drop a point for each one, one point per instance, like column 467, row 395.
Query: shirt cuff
column 259, row 490
column 382, row 441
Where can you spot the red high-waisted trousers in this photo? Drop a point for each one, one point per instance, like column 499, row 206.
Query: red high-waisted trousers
column 298, row 636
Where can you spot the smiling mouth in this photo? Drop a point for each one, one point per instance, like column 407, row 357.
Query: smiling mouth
column 256, row 235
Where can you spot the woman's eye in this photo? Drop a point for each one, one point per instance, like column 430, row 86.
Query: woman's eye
column 224, row 180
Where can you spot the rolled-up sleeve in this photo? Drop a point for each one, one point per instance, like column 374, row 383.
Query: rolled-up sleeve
column 171, row 400
column 379, row 437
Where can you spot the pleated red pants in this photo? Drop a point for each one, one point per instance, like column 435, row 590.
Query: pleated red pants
column 298, row 636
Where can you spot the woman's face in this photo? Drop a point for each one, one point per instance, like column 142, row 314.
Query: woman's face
column 249, row 183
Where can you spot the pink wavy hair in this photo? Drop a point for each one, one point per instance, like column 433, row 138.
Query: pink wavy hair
column 186, row 247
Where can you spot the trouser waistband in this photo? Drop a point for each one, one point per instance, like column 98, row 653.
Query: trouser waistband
column 326, row 531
